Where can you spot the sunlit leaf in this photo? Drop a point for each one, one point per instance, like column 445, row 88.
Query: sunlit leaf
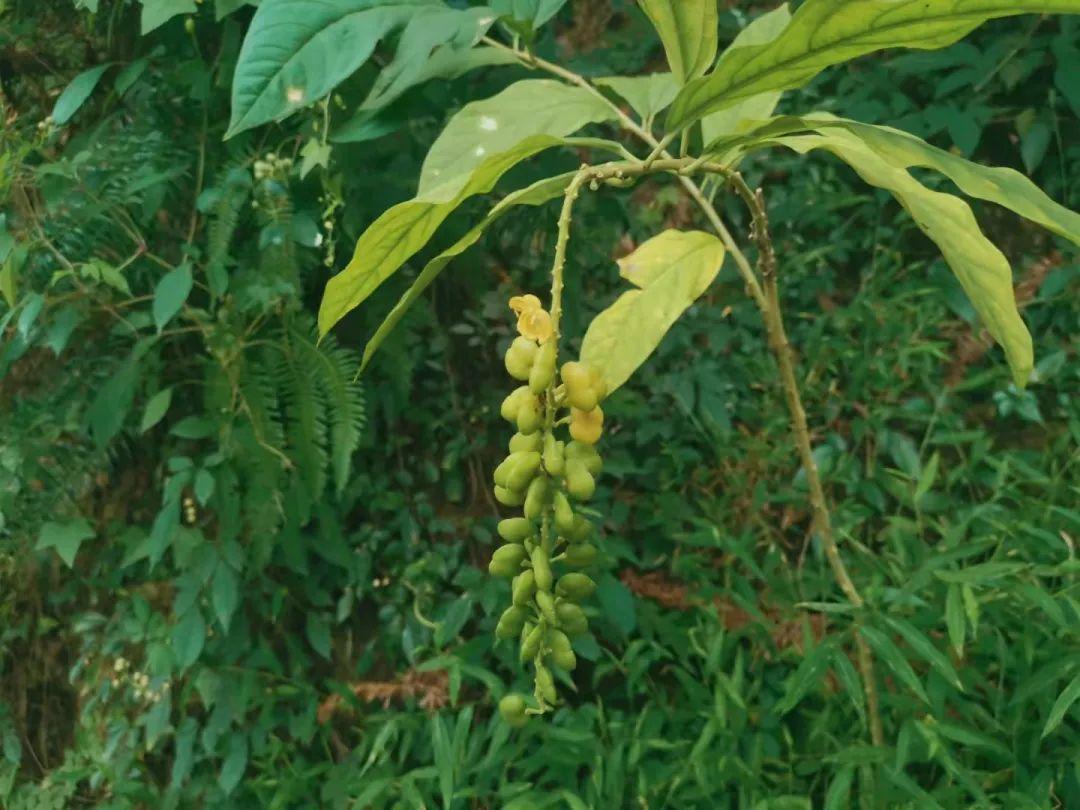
column 827, row 32
column 688, row 29
column 1062, row 705
column 647, row 95
column 494, row 126
column 672, row 270
column 76, row 93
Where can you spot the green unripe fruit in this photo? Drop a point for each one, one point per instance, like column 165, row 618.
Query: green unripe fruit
column 564, row 515
column 520, row 442
column 512, row 711
column 506, row 561
column 543, row 370
column 508, row 498
column 547, row 606
column 578, row 383
column 580, row 556
column 562, row 654
column 579, row 481
column 530, row 416
column 514, row 530
column 575, row 587
column 582, row 530
column 536, row 498
column 586, row 454
column 511, row 622
column 519, row 358
column 571, row 618
column 530, row 646
column 189, row 25
column 523, row 588
column 523, row 471
column 512, row 404
column 507, row 466
column 545, row 684
column 541, row 569
column 554, row 459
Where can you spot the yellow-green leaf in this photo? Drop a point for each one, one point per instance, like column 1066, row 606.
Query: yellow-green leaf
column 498, row 124
column 671, row 270
column 647, row 95
column 737, row 117
column 536, row 194
column 688, row 30
column 827, row 32
column 982, row 269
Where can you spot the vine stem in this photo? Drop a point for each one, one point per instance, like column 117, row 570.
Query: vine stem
column 765, row 294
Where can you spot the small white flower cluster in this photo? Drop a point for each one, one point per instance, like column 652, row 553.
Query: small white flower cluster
column 380, row 582
column 124, row 675
column 272, row 166
column 191, row 512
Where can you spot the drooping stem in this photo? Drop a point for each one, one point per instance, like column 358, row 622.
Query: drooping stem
column 785, row 361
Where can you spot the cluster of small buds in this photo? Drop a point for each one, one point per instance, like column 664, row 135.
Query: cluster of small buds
column 124, row 675
column 543, row 474
column 272, row 166
column 380, row 582
column 46, row 124
column 191, row 511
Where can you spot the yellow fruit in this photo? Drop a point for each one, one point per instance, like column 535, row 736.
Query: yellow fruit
column 586, row 426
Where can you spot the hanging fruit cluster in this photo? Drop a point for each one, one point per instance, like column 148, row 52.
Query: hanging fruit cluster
column 544, row 476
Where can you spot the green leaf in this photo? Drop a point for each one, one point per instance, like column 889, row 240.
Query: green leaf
column 297, row 51
column 894, row 659
column 317, row 628
column 65, row 538
column 158, row 12
column 440, row 34
column 402, row 230
column 76, row 93
column 499, row 125
column 188, row 638
column 1061, row 706
column 647, row 95
column 807, row 676
column 223, row 8
column 232, row 769
column 688, row 29
column 954, row 618
column 672, row 270
column 170, row 294
column 827, row 32
column 224, row 594
column 109, row 409
column 925, row 649
column 839, row 793
column 156, row 409
column 737, row 117
column 525, row 16
column 849, row 678
column 982, row 269
column 445, row 62
column 537, row 194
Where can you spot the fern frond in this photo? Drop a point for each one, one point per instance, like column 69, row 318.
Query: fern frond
column 335, row 369
column 224, row 218
column 305, row 409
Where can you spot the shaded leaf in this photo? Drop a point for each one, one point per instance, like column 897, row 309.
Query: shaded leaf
column 170, row 294
column 65, row 538
column 925, row 649
column 1062, row 705
column 296, row 51
column 156, row 13
column 76, row 93
column 893, row 658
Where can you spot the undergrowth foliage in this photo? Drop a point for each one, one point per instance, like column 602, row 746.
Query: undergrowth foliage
column 828, row 558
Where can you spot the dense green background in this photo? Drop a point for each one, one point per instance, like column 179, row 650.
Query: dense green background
column 250, row 592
